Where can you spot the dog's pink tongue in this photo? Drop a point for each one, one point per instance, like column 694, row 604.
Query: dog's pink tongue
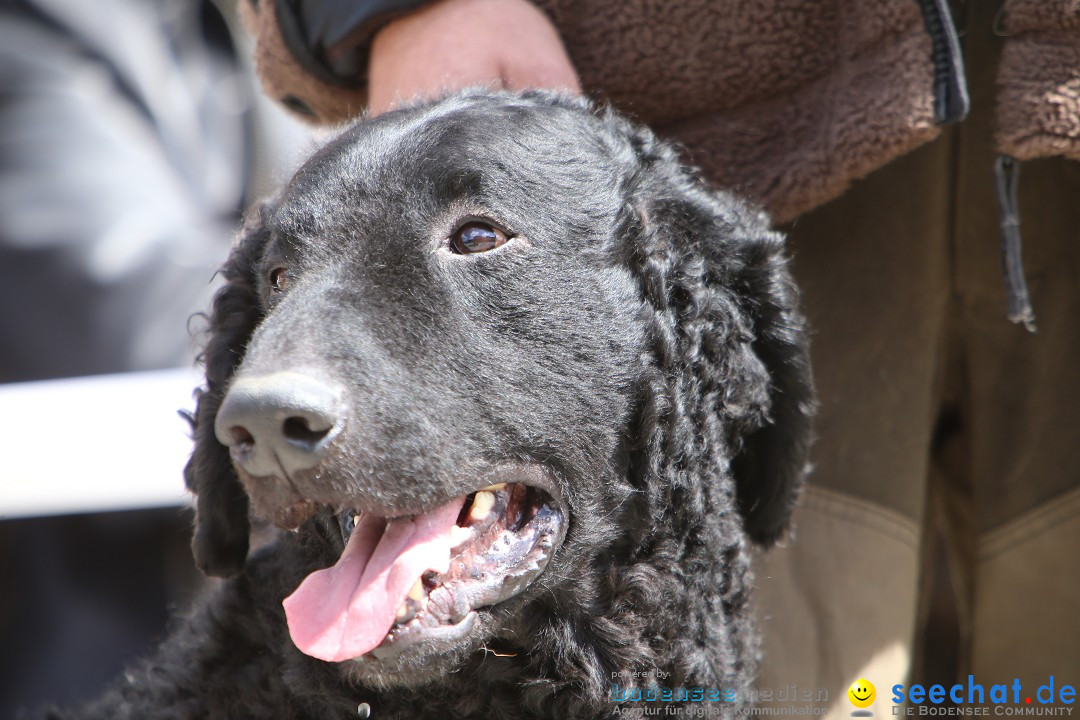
column 346, row 610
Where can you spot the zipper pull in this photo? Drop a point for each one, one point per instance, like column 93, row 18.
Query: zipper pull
column 1007, row 180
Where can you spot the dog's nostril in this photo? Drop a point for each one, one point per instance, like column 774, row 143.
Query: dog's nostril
column 240, row 437
column 299, row 429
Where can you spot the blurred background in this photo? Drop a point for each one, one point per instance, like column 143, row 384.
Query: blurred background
column 132, row 137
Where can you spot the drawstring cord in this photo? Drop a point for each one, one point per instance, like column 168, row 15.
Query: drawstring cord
column 1007, row 179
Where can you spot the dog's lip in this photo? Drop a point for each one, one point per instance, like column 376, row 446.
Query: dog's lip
column 445, row 633
column 532, row 474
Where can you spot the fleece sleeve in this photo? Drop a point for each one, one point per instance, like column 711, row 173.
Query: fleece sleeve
column 312, row 54
column 1038, row 102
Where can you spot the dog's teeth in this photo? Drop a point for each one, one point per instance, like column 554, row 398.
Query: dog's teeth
column 460, row 536
column 481, row 506
column 417, row 591
column 496, row 487
column 348, row 520
column 402, row 612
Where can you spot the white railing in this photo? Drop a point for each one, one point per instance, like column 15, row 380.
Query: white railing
column 91, row 444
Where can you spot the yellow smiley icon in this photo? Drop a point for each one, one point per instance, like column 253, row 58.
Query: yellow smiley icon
column 862, row 693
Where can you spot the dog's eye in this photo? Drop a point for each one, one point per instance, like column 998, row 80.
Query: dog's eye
column 476, row 237
column 279, row 279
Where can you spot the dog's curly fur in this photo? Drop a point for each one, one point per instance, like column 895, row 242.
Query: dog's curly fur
column 641, row 341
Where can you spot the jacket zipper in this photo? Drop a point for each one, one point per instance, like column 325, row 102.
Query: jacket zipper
column 951, row 101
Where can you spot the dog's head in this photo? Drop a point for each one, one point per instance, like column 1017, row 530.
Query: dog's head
column 484, row 350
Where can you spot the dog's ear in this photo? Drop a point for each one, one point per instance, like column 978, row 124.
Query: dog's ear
column 729, row 338
column 220, row 544
column 773, row 460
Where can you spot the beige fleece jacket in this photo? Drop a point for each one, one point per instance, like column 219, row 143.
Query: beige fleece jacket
column 784, row 101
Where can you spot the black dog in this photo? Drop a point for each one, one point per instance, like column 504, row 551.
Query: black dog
column 541, row 382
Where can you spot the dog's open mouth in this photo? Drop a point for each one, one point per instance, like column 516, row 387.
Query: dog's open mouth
column 423, row 577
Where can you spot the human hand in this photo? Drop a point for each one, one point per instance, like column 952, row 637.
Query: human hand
column 452, row 44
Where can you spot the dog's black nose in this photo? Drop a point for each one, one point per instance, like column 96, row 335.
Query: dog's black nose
column 279, row 423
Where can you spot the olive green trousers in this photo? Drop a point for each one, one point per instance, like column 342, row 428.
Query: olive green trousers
column 940, row 533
